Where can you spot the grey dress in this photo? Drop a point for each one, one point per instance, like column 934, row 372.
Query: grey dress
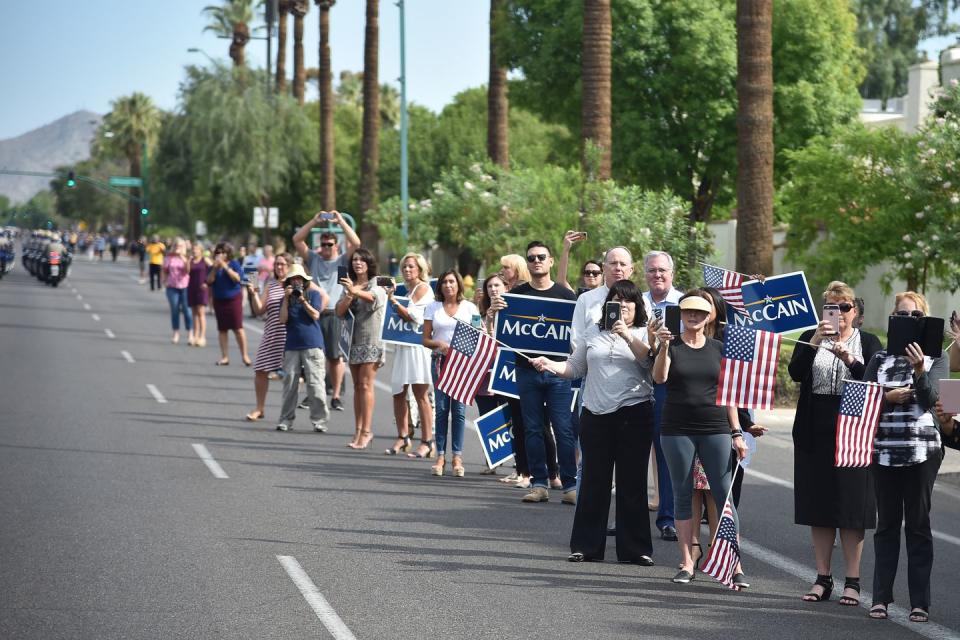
column 366, row 345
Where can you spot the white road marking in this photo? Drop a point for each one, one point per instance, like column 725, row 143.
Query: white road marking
column 109, row 334
column 897, row 614
column 72, row 290
column 86, row 307
column 208, row 460
column 337, row 628
column 126, row 356
column 946, row 537
column 79, row 297
column 156, row 394
column 95, row 317
column 254, row 329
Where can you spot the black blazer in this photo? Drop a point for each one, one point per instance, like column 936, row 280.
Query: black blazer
column 801, row 370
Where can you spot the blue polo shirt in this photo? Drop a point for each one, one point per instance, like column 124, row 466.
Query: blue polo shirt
column 302, row 331
column 224, row 288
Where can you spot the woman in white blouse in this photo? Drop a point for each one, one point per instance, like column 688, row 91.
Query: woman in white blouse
column 616, row 430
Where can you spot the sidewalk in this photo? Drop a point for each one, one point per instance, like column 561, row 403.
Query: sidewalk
column 781, row 420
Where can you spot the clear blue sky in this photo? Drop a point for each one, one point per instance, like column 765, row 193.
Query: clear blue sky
column 62, row 56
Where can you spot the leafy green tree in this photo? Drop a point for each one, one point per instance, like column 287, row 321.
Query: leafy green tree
column 868, row 197
column 889, row 32
column 231, row 19
column 674, row 75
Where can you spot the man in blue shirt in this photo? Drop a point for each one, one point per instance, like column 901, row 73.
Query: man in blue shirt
column 300, row 312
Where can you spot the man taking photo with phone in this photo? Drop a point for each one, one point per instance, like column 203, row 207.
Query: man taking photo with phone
column 322, row 266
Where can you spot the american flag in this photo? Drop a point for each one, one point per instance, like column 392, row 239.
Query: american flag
column 728, row 283
column 748, row 368
column 724, row 555
column 856, row 424
column 470, row 356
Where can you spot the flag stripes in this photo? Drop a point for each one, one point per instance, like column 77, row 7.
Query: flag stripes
column 728, row 283
column 748, row 368
column 724, row 554
column 469, row 358
column 860, row 407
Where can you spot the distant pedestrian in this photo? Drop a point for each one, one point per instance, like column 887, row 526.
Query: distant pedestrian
column 176, row 278
column 198, row 294
column 155, row 250
column 224, row 279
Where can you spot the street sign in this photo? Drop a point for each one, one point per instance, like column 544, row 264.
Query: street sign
column 201, row 228
column 273, row 218
column 125, row 181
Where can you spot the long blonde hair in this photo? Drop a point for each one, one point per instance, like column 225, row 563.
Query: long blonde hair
column 424, row 275
column 517, row 263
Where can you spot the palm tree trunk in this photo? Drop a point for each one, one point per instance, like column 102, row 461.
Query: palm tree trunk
column 754, row 136
column 370, row 146
column 596, row 81
column 498, row 126
column 282, row 10
column 299, row 71
column 241, row 36
column 328, row 194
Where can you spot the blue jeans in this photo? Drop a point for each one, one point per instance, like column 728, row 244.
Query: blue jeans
column 446, row 408
column 535, row 390
column 178, row 303
column 665, row 512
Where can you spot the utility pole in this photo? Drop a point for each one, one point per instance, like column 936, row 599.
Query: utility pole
column 404, row 173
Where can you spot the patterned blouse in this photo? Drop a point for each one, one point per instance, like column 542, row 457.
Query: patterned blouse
column 829, row 371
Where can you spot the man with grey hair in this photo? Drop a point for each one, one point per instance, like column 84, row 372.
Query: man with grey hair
column 658, row 271
column 617, row 265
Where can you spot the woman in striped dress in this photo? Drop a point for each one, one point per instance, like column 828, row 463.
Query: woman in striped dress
column 270, row 352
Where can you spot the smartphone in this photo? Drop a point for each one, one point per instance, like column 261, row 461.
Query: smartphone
column 831, row 313
column 386, row 282
column 342, row 272
column 672, row 320
column 583, row 234
column 326, row 215
column 249, row 275
column 658, row 314
column 954, row 320
column 476, row 321
column 611, row 313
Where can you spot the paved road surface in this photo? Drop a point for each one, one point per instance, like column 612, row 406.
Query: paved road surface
column 112, row 526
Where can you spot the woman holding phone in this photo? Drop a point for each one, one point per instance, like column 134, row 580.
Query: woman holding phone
column 411, row 363
column 224, row 279
column 367, row 302
column 828, row 498
column 907, row 455
column 616, row 429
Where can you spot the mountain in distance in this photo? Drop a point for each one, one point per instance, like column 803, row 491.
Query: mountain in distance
column 62, row 142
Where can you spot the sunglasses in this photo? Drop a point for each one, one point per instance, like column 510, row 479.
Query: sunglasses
column 591, row 274
column 916, row 313
column 328, row 244
column 844, row 307
column 537, row 257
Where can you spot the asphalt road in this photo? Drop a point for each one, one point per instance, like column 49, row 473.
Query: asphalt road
column 112, row 526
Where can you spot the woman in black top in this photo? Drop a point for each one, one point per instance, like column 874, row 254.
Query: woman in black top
column 828, row 498
column 693, row 424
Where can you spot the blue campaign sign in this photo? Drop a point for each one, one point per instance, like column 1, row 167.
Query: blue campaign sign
column 535, row 325
column 396, row 330
column 503, row 380
column 495, row 438
column 780, row 304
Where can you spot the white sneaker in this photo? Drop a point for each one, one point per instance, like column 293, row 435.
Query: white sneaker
column 283, row 427
column 320, row 426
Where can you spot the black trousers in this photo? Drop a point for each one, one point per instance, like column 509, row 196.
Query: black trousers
column 155, row 273
column 518, row 437
column 903, row 497
column 620, row 440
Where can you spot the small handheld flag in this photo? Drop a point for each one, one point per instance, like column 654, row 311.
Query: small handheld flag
column 728, row 283
column 748, row 368
column 469, row 358
column 860, row 406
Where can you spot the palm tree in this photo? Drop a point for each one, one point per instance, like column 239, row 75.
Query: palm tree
column 133, row 123
column 595, row 81
column 283, row 8
column 328, row 192
column 754, row 136
column 370, row 143
column 232, row 20
column 299, row 10
column 498, row 127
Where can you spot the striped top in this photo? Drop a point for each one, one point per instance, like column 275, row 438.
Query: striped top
column 907, row 433
column 270, row 352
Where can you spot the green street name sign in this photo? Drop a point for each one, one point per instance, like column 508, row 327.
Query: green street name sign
column 125, row 181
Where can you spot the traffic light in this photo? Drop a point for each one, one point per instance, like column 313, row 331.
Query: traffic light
column 71, row 180
column 144, row 211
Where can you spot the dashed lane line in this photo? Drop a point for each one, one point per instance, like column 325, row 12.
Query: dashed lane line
column 208, row 460
column 156, row 394
column 334, row 624
column 95, row 317
column 86, row 307
column 126, row 356
column 109, row 333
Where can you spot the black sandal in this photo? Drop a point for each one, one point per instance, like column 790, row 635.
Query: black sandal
column 576, row 556
column 878, row 611
column 851, row 583
column 823, row 581
column 919, row 615
column 431, row 450
column 404, row 446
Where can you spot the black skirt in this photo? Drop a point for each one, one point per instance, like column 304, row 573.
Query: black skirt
column 823, row 495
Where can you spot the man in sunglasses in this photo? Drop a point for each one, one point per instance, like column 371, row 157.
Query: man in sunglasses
column 322, row 266
column 539, row 389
